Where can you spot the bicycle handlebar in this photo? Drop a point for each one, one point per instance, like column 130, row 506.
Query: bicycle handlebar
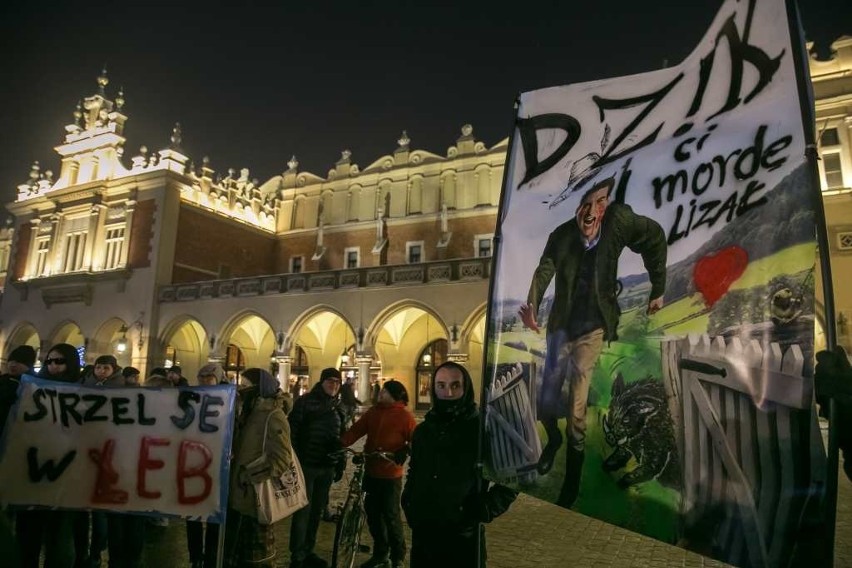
column 362, row 456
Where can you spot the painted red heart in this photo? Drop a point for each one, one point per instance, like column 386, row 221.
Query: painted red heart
column 715, row 273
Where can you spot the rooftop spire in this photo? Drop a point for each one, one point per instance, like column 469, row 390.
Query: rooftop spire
column 103, row 81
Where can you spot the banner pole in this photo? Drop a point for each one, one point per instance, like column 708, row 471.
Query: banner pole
column 811, row 154
column 483, row 399
column 220, row 542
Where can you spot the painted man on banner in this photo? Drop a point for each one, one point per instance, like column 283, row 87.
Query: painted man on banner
column 583, row 254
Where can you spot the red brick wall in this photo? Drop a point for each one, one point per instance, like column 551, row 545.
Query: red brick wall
column 141, row 234
column 208, row 241
column 461, row 244
column 22, row 247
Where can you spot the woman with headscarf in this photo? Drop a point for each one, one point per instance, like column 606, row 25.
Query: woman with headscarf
column 445, row 501
column 247, row 542
column 53, row 528
column 388, row 426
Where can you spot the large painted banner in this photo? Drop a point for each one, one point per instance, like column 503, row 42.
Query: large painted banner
column 146, row 450
column 652, row 318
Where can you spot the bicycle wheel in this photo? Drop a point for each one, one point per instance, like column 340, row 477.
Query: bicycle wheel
column 347, row 534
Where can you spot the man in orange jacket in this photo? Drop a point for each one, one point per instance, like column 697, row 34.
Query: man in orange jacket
column 388, row 426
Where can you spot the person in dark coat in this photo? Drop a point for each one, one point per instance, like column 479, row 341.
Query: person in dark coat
column 833, row 380
column 19, row 362
column 175, row 375
column 316, row 425
column 131, row 375
column 122, row 533
column 54, row 529
column 445, row 501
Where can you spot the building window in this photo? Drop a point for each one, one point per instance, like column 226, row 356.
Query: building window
column 833, row 170
column 352, row 257
column 235, row 363
column 41, row 256
column 4, row 259
column 482, row 245
column 114, row 247
column 414, row 252
column 75, row 249
column 829, row 137
column 295, row 264
column 844, row 241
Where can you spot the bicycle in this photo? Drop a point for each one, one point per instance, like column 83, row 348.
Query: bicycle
column 350, row 521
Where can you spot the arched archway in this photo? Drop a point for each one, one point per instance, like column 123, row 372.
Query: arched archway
column 320, row 338
column 433, row 355
column 67, row 332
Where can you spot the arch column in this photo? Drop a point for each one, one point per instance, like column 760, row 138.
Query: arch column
column 363, row 362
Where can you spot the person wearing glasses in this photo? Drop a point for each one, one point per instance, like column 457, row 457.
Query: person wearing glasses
column 54, row 529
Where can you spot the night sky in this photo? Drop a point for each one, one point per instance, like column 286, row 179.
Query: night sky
column 254, row 84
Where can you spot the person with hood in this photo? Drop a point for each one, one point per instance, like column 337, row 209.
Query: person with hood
column 388, row 426
column 54, row 529
column 316, row 424
column 833, row 380
column 122, row 533
column 202, row 547
column 19, row 362
column 445, row 500
column 247, row 542
column 105, row 373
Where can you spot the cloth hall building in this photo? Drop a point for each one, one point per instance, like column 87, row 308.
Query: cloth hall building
column 382, row 271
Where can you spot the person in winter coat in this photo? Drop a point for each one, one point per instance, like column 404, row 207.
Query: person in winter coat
column 247, row 542
column 20, row 361
column 316, row 424
column 105, row 373
column 349, row 403
column 833, row 380
column 442, row 500
column 202, row 544
column 122, row 533
column 53, row 528
column 388, row 426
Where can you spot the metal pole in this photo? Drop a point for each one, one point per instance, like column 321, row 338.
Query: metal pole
column 808, row 125
column 489, row 314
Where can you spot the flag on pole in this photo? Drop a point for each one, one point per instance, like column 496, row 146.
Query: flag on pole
column 651, row 320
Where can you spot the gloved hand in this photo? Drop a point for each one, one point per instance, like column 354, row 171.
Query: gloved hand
column 400, row 455
column 833, row 374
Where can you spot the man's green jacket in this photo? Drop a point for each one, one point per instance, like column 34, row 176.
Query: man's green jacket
column 621, row 228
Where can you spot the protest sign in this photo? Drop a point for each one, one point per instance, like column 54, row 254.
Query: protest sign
column 147, row 450
column 652, row 312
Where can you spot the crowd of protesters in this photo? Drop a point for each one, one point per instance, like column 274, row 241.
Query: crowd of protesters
column 440, row 497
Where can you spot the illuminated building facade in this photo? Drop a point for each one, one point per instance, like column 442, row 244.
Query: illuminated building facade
column 832, row 86
column 381, row 270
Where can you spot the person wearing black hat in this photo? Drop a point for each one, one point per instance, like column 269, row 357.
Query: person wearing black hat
column 261, row 430
column 175, row 375
column 443, row 501
column 316, row 425
column 131, row 375
column 19, row 362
